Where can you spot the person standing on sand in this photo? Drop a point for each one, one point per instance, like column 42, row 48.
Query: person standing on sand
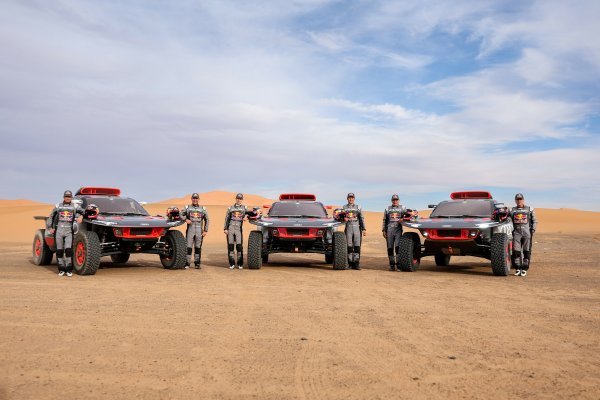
column 355, row 230
column 61, row 223
column 524, row 223
column 234, row 219
column 392, row 229
column 196, row 218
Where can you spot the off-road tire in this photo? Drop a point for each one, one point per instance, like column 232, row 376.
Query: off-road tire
column 177, row 249
column 340, row 251
column 442, row 260
column 409, row 257
column 87, row 252
column 500, row 254
column 255, row 242
column 120, row 258
column 42, row 255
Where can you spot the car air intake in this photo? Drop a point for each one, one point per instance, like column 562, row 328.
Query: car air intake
column 140, row 231
column 297, row 232
column 449, row 233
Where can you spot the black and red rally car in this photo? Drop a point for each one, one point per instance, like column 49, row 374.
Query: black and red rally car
column 463, row 226
column 115, row 226
column 297, row 223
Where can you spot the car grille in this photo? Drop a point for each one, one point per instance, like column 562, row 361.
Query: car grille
column 449, row 232
column 297, row 232
column 140, row 231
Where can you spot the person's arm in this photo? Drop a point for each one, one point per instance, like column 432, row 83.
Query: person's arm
column 206, row 222
column 361, row 221
column 227, row 219
column 50, row 222
column 533, row 221
column 385, row 222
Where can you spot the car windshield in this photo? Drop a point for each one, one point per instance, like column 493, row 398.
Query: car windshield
column 463, row 209
column 300, row 209
column 116, row 205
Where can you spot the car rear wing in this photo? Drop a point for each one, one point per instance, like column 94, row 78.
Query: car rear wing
column 104, row 191
column 298, row 196
column 470, row 195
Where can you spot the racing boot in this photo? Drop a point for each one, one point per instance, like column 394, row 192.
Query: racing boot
column 517, row 262
column 356, row 257
column 197, row 256
column 392, row 259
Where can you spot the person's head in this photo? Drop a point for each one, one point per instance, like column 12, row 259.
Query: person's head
column 195, row 199
column 67, row 196
column 350, row 198
column 238, row 198
column 395, row 200
column 519, row 199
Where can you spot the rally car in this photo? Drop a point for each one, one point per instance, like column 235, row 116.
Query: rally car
column 470, row 224
column 115, row 226
column 297, row 223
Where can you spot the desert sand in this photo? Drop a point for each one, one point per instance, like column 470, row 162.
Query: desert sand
column 296, row 329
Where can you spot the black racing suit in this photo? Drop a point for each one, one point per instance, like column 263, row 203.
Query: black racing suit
column 355, row 225
column 198, row 217
column 392, row 227
column 524, row 223
column 62, row 218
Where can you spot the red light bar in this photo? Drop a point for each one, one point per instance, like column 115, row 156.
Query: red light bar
column 298, row 196
column 470, row 195
column 99, row 190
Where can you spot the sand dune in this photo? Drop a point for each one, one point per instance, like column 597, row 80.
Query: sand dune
column 16, row 217
column 219, row 198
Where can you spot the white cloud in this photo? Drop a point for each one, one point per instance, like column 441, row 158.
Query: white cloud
column 225, row 95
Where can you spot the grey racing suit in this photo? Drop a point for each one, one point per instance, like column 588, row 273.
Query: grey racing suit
column 355, row 225
column 392, row 227
column 234, row 218
column 524, row 223
column 198, row 217
column 62, row 218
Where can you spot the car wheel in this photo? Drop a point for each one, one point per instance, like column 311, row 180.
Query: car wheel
column 255, row 257
column 86, row 253
column 410, row 252
column 42, row 255
column 176, row 250
column 500, row 254
column 340, row 251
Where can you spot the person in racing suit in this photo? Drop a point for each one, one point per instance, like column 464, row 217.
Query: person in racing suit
column 392, row 229
column 355, row 229
column 197, row 221
column 62, row 223
column 234, row 219
column 524, row 223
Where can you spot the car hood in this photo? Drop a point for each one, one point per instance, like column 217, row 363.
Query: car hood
column 452, row 223
column 296, row 222
column 134, row 221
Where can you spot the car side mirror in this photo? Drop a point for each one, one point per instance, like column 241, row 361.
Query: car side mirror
column 431, row 206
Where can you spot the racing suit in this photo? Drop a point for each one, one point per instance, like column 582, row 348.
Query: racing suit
column 234, row 218
column 392, row 227
column 63, row 220
column 355, row 225
column 525, row 223
column 198, row 217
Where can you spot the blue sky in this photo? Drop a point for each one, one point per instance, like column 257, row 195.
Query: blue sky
column 419, row 98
